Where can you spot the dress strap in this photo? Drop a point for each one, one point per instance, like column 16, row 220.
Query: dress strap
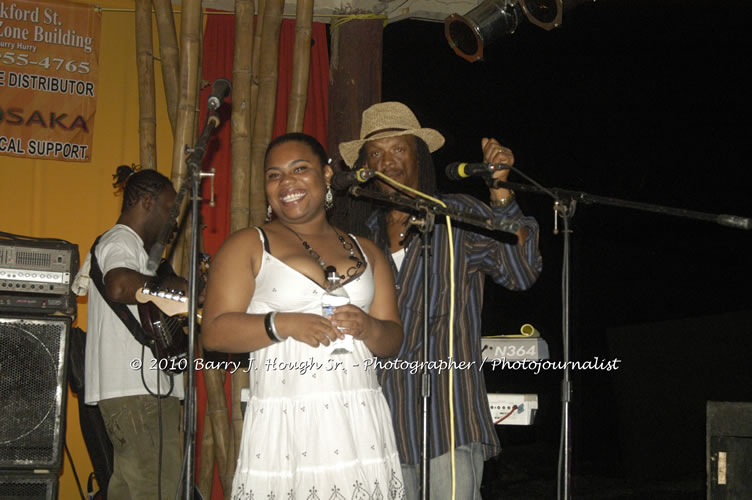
column 264, row 239
column 357, row 245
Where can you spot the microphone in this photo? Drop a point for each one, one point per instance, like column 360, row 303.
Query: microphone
column 734, row 221
column 457, row 170
column 341, row 181
column 220, row 90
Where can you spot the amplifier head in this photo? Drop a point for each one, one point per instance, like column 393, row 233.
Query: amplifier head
column 36, row 275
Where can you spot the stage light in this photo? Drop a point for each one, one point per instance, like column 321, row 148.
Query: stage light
column 543, row 13
column 483, row 25
column 491, row 19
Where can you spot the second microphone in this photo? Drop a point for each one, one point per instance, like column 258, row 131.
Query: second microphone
column 342, row 181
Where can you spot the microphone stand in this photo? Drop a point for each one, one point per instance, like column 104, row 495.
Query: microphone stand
column 565, row 202
column 426, row 228
column 423, row 205
column 426, row 225
column 194, row 177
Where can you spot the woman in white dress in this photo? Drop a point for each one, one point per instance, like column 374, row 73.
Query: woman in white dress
column 317, row 425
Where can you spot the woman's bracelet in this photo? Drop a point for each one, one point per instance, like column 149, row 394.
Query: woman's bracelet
column 271, row 328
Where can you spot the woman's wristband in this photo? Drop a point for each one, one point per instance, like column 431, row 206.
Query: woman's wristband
column 271, row 328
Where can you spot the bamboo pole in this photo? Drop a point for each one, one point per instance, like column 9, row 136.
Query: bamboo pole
column 217, row 424
column 206, row 471
column 184, row 135
column 220, row 424
column 241, row 115
column 168, row 55
column 242, row 111
column 267, row 97
column 217, row 411
column 147, row 121
column 239, row 382
column 301, row 64
column 190, row 37
column 255, row 61
column 185, row 130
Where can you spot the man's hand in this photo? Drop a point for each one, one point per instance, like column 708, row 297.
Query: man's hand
column 493, row 152
column 174, row 283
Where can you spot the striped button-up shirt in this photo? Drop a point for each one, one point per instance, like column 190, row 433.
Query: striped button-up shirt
column 515, row 267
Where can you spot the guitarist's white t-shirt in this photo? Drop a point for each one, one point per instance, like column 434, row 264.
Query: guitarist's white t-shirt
column 116, row 363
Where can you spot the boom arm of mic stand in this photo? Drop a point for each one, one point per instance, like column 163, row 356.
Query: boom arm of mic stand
column 565, row 453
column 582, row 197
column 419, row 205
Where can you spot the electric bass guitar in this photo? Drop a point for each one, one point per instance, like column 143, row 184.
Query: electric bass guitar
column 163, row 313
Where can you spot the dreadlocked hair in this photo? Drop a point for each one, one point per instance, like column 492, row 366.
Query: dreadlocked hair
column 351, row 213
column 136, row 183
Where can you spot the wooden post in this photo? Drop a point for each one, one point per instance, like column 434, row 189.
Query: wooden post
column 355, row 77
column 354, row 85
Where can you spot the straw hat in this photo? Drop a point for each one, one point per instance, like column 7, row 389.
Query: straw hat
column 388, row 119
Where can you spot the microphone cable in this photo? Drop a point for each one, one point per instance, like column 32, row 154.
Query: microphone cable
column 450, row 246
column 159, row 397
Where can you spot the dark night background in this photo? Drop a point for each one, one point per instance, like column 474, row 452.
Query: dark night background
column 639, row 100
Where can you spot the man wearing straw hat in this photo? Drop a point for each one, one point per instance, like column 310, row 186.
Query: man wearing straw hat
column 393, row 143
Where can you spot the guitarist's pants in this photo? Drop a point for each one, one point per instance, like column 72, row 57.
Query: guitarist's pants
column 132, row 424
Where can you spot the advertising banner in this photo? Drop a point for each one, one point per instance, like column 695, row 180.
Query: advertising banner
column 49, row 64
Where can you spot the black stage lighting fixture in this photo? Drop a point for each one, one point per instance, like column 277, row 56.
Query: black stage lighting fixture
column 545, row 14
column 483, row 25
column 491, row 19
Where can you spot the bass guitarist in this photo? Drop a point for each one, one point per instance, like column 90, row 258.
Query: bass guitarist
column 134, row 397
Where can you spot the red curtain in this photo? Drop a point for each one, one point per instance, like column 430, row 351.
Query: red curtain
column 219, row 38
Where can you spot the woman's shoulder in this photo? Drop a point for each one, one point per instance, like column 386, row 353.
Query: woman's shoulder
column 365, row 243
column 247, row 239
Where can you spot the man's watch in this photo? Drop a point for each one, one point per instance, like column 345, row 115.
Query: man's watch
column 502, row 202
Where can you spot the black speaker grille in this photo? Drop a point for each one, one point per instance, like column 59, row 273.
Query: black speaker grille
column 28, row 486
column 32, row 391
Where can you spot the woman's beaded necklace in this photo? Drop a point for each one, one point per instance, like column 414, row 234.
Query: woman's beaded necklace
column 351, row 271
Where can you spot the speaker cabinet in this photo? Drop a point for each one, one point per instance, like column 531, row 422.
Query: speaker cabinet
column 729, row 450
column 27, row 486
column 33, row 391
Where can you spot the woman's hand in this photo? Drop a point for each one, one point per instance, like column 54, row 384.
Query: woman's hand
column 352, row 320
column 310, row 329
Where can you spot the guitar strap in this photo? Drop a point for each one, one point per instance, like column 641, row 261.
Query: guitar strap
column 121, row 310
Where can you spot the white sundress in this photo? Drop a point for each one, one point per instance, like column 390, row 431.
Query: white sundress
column 317, row 426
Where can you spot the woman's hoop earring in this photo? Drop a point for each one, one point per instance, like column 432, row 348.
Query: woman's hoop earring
column 268, row 214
